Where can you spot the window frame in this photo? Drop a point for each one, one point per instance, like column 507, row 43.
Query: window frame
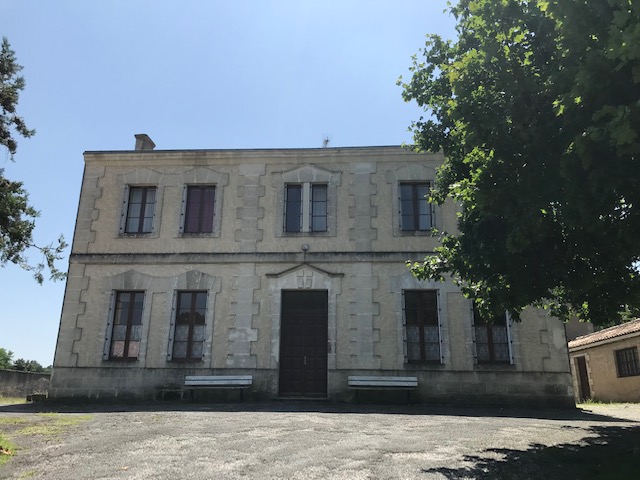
column 186, row 210
column 113, row 314
column 421, row 324
column 415, row 214
column 191, row 323
column 480, row 324
column 126, row 211
column 305, row 208
column 629, row 366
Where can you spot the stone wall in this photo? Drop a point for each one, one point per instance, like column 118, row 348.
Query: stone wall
column 14, row 383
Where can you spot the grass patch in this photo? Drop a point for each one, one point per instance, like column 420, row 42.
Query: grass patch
column 12, row 400
column 13, row 420
column 7, row 449
column 41, row 424
column 54, row 424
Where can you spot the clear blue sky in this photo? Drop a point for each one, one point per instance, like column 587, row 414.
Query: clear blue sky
column 192, row 74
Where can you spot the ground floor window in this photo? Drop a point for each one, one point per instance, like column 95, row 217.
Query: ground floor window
column 127, row 326
column 492, row 338
column 627, row 362
column 422, row 326
column 188, row 339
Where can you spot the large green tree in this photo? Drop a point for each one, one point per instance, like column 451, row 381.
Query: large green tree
column 17, row 216
column 536, row 107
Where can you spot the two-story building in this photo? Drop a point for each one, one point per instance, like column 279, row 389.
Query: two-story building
column 285, row 264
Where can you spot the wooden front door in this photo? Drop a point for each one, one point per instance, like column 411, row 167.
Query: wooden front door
column 583, row 378
column 303, row 344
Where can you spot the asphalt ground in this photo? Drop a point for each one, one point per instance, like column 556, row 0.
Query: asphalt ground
column 318, row 440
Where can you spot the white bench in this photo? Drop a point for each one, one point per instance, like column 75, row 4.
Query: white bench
column 192, row 382
column 379, row 382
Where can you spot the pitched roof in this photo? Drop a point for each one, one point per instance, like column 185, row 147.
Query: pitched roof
column 606, row 334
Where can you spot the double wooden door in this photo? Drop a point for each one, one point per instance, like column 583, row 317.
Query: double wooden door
column 303, row 343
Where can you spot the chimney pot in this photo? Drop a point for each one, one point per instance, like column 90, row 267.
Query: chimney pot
column 143, row 142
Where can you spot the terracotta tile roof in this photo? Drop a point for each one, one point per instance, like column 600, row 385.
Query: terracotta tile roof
column 606, row 334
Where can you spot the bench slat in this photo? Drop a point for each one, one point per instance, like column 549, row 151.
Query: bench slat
column 382, row 382
column 216, row 377
column 379, row 377
column 218, row 381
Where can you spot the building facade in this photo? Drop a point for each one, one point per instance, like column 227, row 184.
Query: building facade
column 286, row 264
column 605, row 364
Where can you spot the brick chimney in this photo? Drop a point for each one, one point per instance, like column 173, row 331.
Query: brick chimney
column 143, row 142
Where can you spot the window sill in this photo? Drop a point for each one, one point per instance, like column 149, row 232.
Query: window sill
column 494, row 366
column 414, row 233
column 424, row 364
column 138, row 235
column 122, row 360
column 308, row 234
column 199, row 235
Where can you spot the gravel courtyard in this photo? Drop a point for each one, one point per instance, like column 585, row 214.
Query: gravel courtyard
column 315, row 440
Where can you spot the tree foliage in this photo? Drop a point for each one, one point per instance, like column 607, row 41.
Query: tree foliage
column 17, row 217
column 23, row 365
column 6, row 358
column 536, row 107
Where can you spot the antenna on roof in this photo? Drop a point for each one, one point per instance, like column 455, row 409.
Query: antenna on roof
column 325, row 142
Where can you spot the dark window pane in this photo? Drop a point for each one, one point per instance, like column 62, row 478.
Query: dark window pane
column 200, row 209
column 492, row 338
column 627, row 362
column 293, row 208
column 422, row 331
column 140, row 210
column 127, row 325
column 189, row 329
column 415, row 211
column 318, row 208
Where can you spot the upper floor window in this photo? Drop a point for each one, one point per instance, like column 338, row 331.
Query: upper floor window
column 141, row 207
column 492, row 338
column 305, row 208
column 422, row 325
column 127, row 326
column 199, row 209
column 416, row 213
column 627, row 362
column 189, row 334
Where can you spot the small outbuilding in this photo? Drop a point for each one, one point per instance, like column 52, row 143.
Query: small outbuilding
column 605, row 365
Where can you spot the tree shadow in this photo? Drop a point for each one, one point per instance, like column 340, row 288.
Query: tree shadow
column 607, row 452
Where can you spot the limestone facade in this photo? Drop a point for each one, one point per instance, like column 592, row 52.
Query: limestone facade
column 348, row 241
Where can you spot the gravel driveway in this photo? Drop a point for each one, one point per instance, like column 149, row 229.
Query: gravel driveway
column 315, row 440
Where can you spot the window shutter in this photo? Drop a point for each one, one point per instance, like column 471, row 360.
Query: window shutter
column 183, row 209
column 400, row 213
column 172, row 326
column 107, row 338
column 404, row 330
column 473, row 332
column 439, row 326
column 156, row 205
column 508, row 323
column 432, row 210
column 123, row 212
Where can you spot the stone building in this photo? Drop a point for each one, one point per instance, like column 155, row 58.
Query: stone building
column 605, row 364
column 285, row 264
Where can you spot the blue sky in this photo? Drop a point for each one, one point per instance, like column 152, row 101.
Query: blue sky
column 192, row 75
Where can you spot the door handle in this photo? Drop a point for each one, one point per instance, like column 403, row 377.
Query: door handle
column 305, row 359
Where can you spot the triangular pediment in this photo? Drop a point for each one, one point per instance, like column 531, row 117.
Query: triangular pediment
column 302, row 269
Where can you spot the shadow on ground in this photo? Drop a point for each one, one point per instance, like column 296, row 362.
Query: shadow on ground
column 288, row 406
column 608, row 452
